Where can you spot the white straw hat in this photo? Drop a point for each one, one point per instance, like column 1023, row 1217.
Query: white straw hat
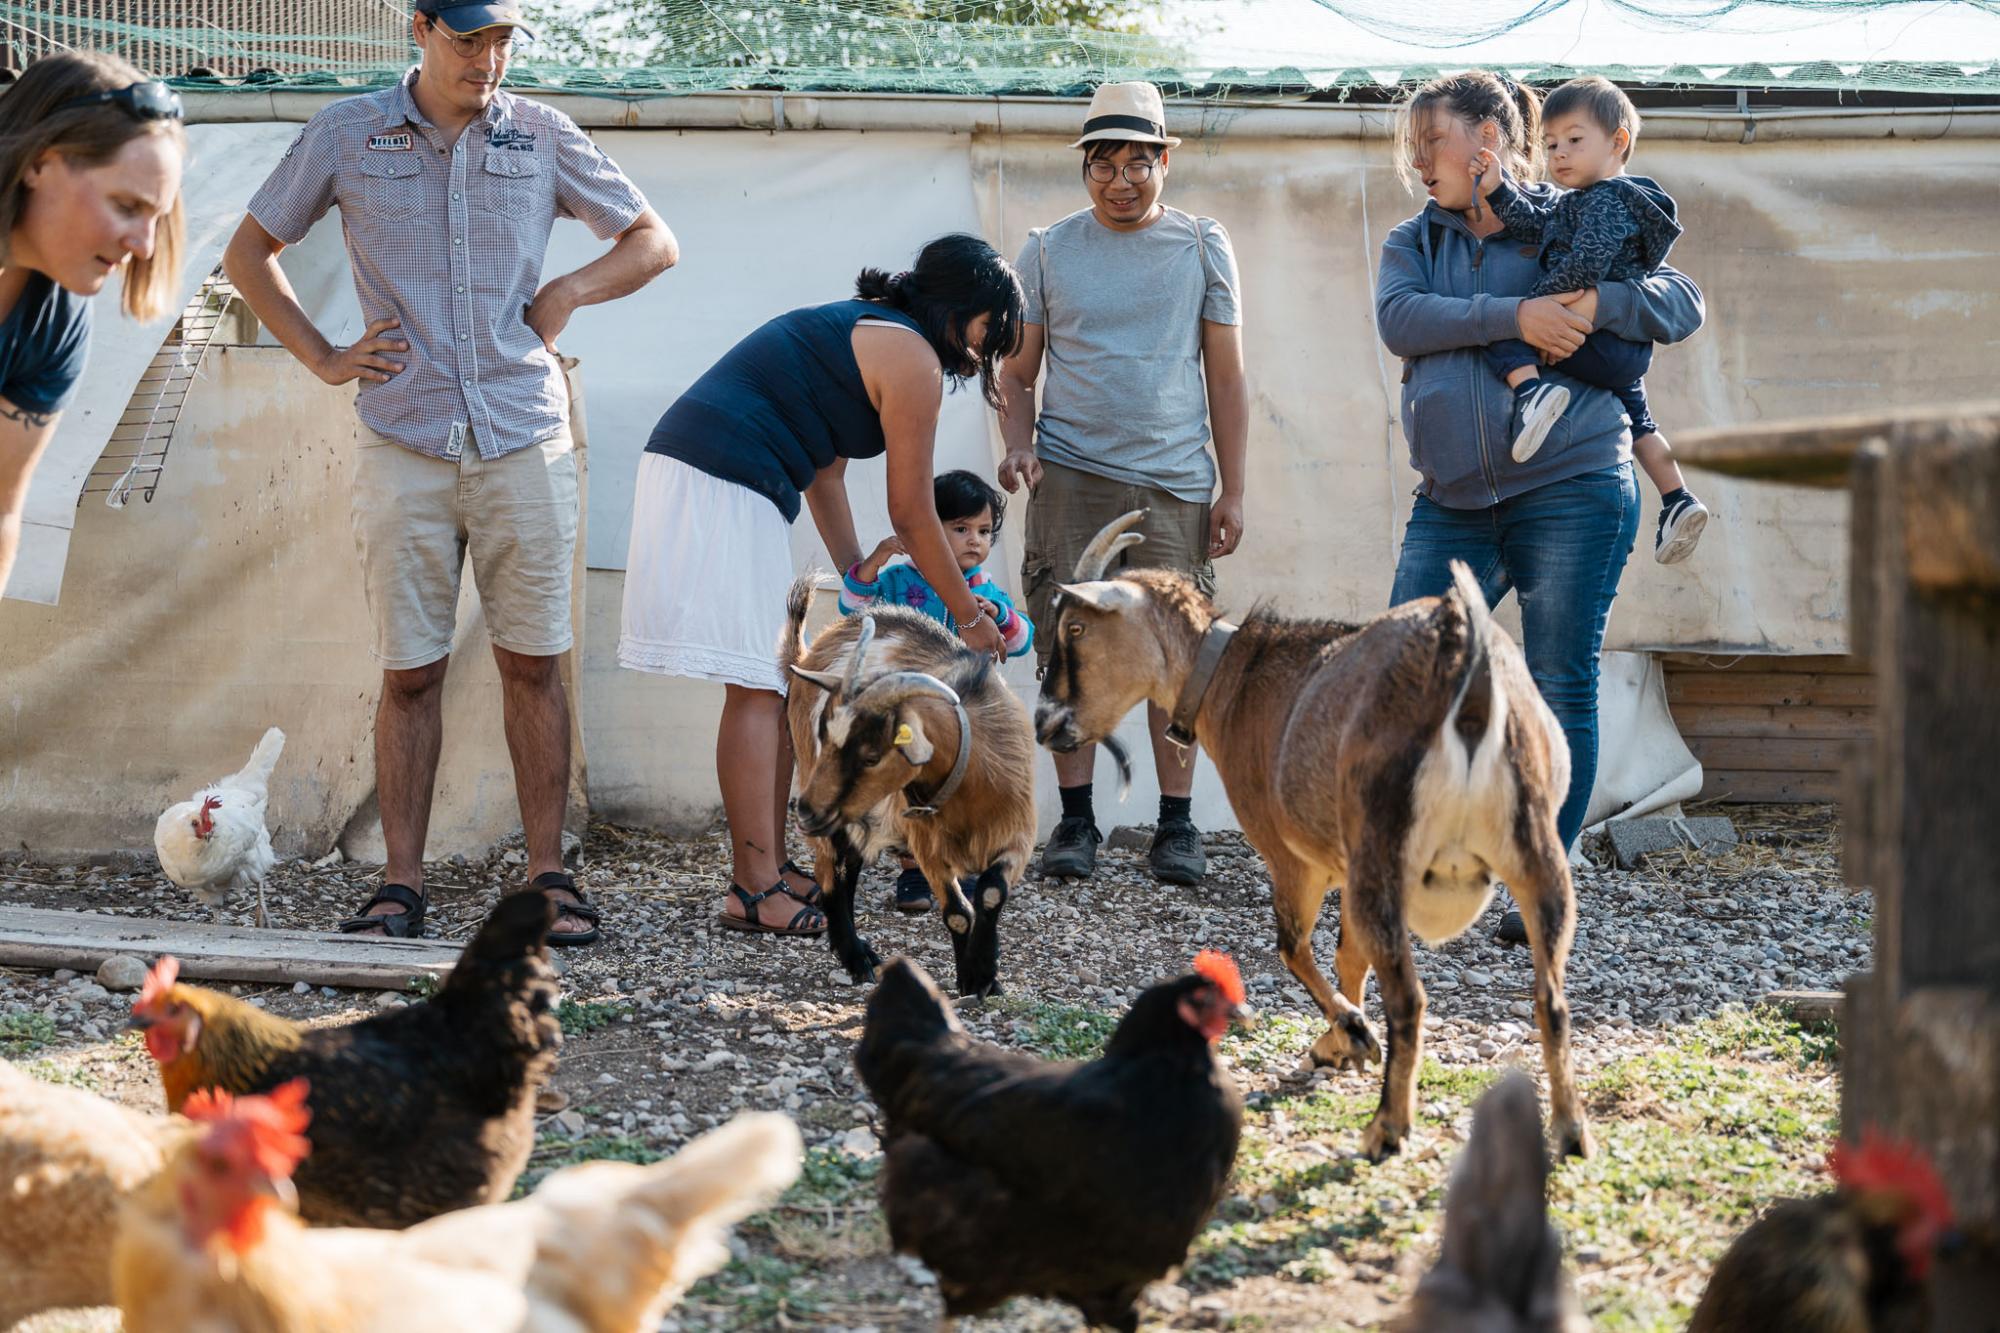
column 1128, row 111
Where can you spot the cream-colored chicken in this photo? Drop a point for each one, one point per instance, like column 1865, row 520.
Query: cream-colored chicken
column 211, row 1245
column 67, row 1160
column 216, row 845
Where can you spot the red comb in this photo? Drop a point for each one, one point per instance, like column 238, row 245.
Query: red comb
column 212, row 803
column 1884, row 1164
column 158, row 982
column 271, row 1125
column 1220, row 968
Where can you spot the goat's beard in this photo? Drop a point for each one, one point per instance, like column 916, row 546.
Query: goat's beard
column 1121, row 757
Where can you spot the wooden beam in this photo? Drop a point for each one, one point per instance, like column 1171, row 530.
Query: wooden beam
column 1814, row 1008
column 42, row 938
column 1818, row 452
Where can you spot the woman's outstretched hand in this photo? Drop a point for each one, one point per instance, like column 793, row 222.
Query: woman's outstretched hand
column 983, row 636
column 1551, row 325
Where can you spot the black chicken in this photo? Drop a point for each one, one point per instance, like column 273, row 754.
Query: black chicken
column 1012, row 1176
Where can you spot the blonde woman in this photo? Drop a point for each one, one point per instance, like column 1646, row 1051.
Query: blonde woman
column 90, row 185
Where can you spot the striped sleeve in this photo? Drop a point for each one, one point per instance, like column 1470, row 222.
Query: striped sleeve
column 1017, row 632
column 856, row 595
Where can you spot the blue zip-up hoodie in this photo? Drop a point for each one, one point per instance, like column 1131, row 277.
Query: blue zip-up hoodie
column 1442, row 295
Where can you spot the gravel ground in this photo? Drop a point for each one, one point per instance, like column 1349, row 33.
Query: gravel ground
column 676, row 1024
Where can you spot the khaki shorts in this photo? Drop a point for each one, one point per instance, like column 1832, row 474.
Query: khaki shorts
column 1070, row 507
column 415, row 519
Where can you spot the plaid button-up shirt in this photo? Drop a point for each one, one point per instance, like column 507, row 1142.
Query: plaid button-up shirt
column 449, row 239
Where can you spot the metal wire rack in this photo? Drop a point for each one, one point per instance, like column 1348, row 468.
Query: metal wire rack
column 136, row 454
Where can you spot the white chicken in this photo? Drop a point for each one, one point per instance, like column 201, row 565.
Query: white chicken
column 216, row 845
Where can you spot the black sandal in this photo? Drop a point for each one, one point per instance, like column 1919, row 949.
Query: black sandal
column 407, row 924
column 753, row 921
column 812, row 896
column 913, row 893
column 582, row 908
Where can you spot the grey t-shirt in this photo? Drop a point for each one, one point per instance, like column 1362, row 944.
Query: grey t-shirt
column 1122, row 388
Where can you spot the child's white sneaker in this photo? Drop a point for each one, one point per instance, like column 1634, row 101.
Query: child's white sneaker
column 1538, row 409
column 1681, row 523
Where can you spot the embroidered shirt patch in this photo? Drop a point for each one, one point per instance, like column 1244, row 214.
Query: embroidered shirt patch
column 391, row 143
column 519, row 141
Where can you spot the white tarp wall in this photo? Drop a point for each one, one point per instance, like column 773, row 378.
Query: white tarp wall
column 1843, row 273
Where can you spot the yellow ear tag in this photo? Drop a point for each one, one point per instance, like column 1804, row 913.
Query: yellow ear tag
column 904, row 736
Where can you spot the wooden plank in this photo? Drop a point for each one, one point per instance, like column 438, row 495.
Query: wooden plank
column 1769, row 754
column 1818, row 452
column 1747, row 786
column 40, row 937
column 1838, row 663
column 1702, row 720
column 1814, row 1008
column 1732, row 687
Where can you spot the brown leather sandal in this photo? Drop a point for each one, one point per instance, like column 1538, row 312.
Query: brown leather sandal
column 753, row 921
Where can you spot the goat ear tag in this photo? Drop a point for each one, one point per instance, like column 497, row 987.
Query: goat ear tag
column 904, row 736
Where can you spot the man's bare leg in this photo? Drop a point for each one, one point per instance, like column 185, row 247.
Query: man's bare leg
column 535, row 708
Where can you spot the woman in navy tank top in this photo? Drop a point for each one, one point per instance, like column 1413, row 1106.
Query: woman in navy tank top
column 769, row 426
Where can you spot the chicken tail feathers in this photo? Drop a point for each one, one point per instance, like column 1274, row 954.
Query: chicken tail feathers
column 256, row 775
column 1500, row 1260
column 513, row 933
column 907, row 1010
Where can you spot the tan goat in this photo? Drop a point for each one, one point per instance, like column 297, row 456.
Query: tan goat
column 910, row 741
column 1410, row 760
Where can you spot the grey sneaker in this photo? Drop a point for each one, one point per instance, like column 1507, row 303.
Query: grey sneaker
column 1071, row 852
column 1176, row 855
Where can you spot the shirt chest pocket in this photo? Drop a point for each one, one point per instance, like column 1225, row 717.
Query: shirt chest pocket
column 514, row 185
column 392, row 190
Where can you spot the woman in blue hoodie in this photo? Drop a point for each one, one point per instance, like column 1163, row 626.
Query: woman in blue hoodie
column 1557, row 528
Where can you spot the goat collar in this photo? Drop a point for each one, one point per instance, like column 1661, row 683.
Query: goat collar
column 1206, row 658
column 927, row 806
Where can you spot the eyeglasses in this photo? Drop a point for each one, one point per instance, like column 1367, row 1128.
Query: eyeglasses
column 1135, row 173
column 151, row 100
column 501, row 44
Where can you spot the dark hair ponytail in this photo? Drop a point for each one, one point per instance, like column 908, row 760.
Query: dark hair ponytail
column 1472, row 96
column 956, row 279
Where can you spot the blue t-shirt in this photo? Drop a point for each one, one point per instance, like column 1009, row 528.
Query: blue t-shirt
column 43, row 341
column 780, row 405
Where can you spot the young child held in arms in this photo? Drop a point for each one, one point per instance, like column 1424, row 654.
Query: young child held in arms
column 1607, row 227
column 971, row 512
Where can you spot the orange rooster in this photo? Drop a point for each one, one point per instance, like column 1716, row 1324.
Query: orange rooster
column 606, row 1247
column 421, row 1109
column 66, row 1160
column 1854, row 1261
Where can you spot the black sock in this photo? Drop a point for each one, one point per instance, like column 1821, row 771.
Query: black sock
column 1076, row 803
column 1177, row 809
column 1526, row 387
column 1668, row 499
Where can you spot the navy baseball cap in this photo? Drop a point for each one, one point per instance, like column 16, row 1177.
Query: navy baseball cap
column 465, row 17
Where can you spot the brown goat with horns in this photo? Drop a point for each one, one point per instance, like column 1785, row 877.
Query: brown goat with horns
column 1410, row 760
column 911, row 741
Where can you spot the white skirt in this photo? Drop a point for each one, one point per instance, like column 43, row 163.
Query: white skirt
column 705, row 578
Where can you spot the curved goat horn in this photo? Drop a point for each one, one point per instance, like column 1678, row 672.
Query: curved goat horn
column 861, row 643
column 1113, row 538
column 897, row 686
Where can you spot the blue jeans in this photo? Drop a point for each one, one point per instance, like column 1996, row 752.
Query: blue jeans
column 1562, row 548
column 1604, row 360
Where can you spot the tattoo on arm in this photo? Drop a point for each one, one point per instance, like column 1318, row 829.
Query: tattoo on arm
column 31, row 419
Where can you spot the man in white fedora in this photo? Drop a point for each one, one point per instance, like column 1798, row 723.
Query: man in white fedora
column 1134, row 310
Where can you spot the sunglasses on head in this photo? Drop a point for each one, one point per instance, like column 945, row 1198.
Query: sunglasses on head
column 151, row 100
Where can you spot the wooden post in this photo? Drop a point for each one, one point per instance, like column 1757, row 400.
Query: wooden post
column 1921, row 825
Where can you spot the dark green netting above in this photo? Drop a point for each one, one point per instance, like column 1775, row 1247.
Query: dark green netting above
column 972, row 47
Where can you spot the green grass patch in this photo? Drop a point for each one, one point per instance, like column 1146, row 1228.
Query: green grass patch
column 1694, row 1139
column 761, row 1292
column 582, row 1016
column 48, row 1071
column 553, row 1152
column 830, row 1213
column 1060, row 1031
column 23, row 1033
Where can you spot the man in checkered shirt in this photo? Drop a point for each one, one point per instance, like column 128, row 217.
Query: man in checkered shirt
column 448, row 189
